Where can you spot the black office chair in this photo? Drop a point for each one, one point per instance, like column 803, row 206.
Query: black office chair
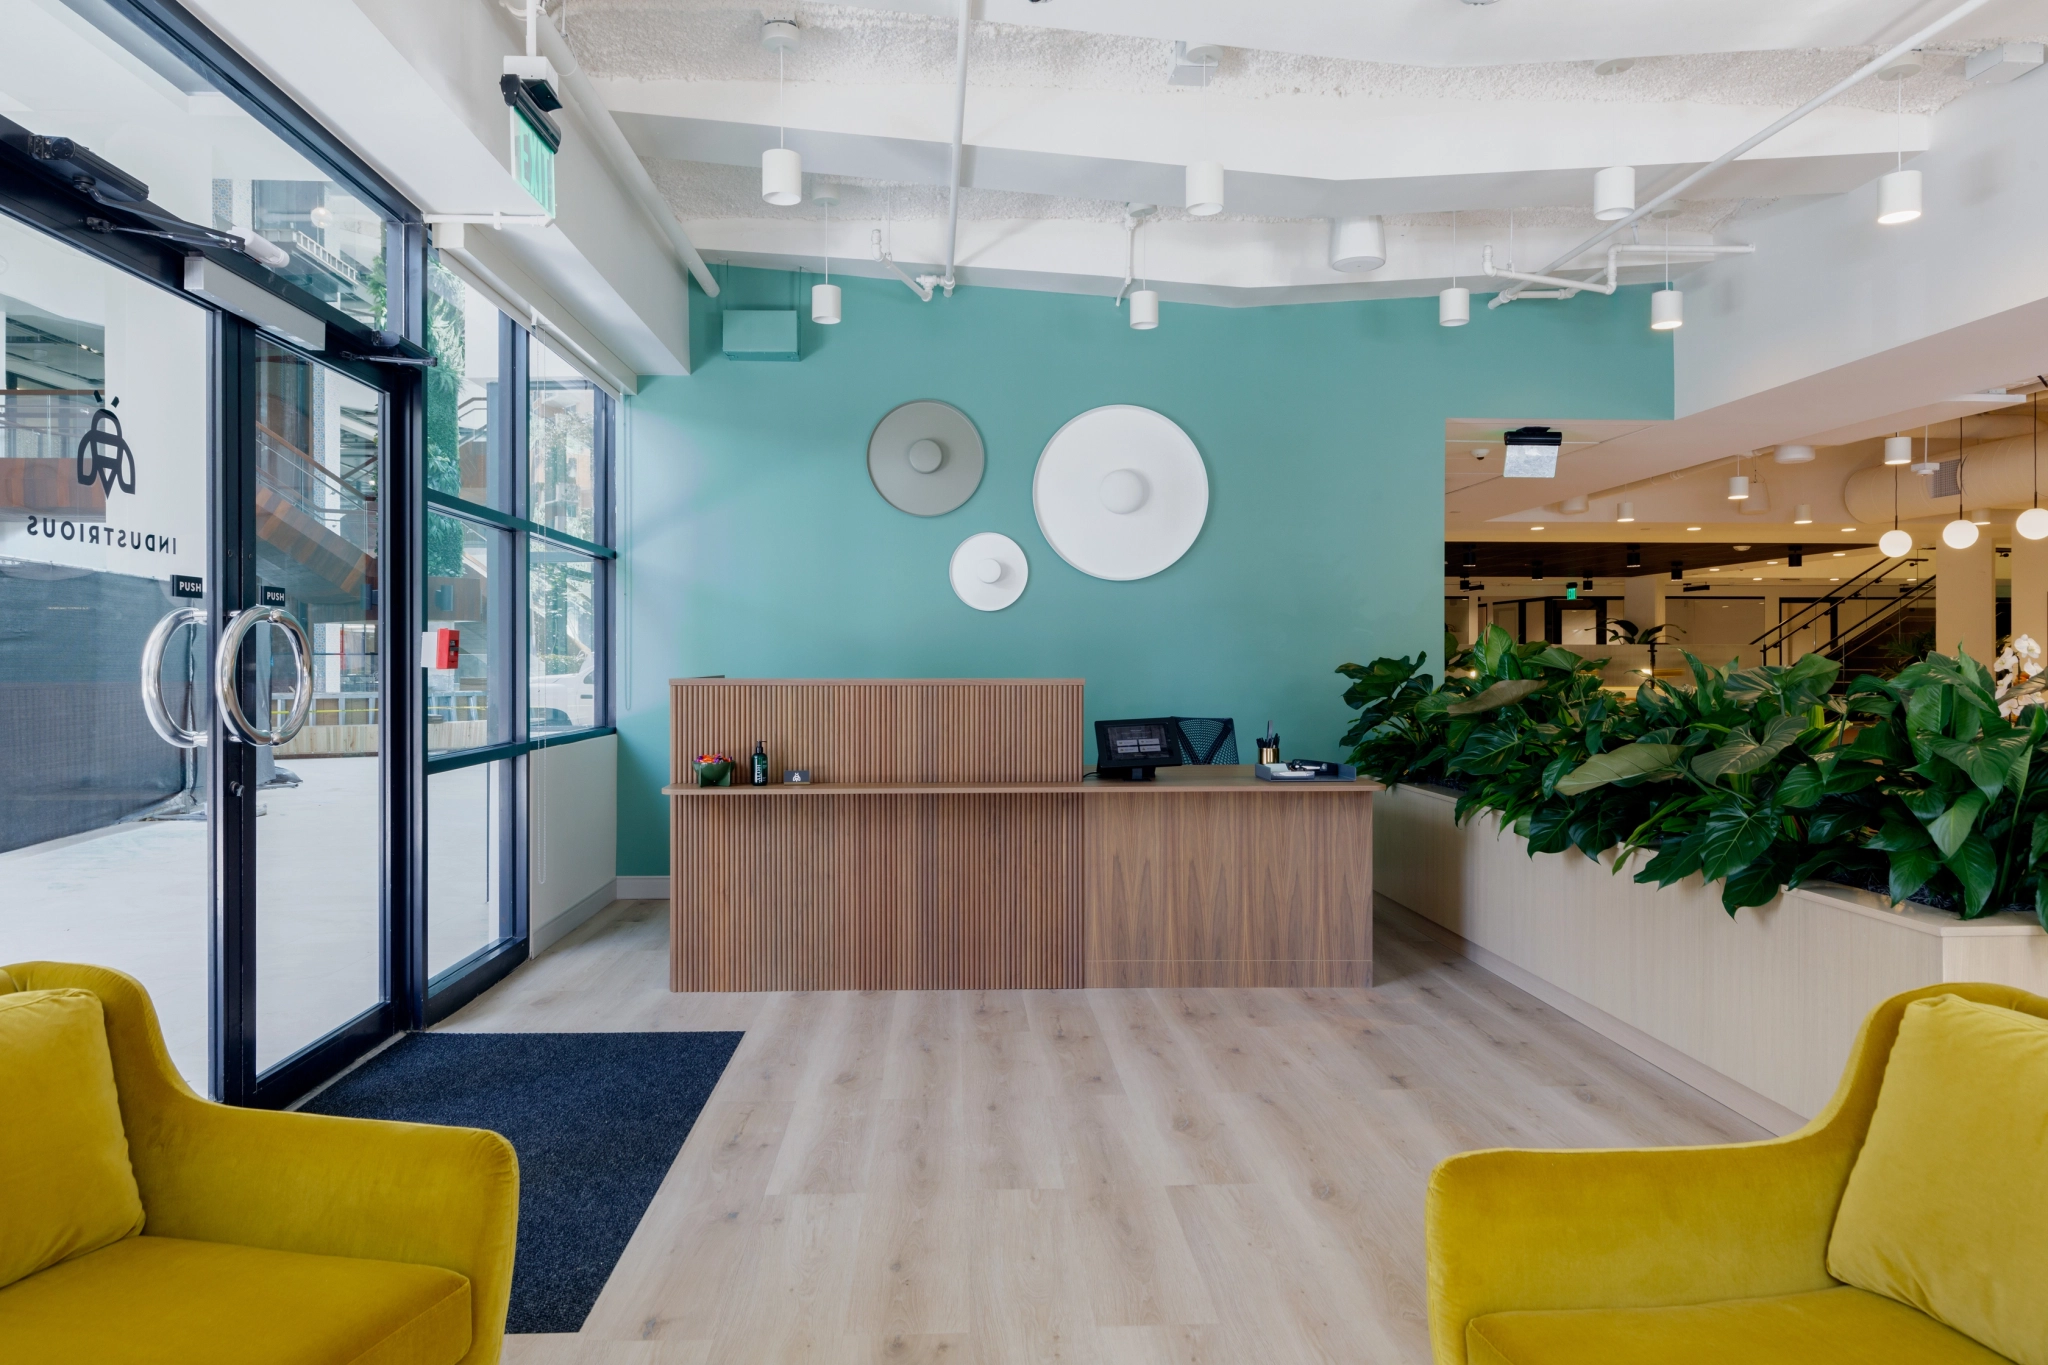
column 1203, row 741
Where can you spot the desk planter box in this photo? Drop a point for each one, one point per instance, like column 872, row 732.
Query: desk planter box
column 1757, row 1011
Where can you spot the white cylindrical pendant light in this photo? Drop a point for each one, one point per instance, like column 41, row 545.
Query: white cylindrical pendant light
column 1738, row 488
column 1358, row 244
column 1959, row 534
column 1896, row 542
column 1898, row 197
column 1979, row 517
column 825, row 303
column 1205, row 188
column 1793, row 454
column 1454, row 307
column 2032, row 523
column 1898, row 450
column 1802, row 515
column 1614, row 193
column 782, row 176
column 1667, row 310
column 1626, row 513
column 1145, row 309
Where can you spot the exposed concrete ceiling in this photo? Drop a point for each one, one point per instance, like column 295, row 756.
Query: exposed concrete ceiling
column 1411, row 109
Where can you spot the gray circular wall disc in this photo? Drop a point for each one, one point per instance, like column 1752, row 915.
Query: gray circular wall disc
column 898, row 480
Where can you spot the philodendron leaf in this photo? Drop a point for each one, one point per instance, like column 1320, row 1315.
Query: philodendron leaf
column 1757, row 884
column 1976, row 867
column 1501, row 694
column 1744, row 754
column 1630, row 760
column 1802, row 787
column 1910, row 870
column 1988, row 759
column 2040, row 841
column 1732, row 836
column 1950, row 828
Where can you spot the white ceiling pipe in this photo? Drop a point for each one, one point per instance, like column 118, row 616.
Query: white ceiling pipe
column 1566, row 288
column 1854, row 78
column 1998, row 474
column 921, row 286
column 619, row 154
column 959, row 140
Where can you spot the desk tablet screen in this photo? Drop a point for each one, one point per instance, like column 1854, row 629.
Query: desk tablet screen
column 1138, row 744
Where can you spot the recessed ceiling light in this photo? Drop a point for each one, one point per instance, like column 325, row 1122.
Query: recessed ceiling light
column 1848, row 528
column 1770, row 561
column 1692, row 528
column 1840, row 553
column 1834, row 580
column 1741, row 547
column 1756, row 580
column 1613, row 66
column 1535, row 528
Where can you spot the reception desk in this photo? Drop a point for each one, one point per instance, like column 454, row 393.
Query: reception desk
column 947, row 841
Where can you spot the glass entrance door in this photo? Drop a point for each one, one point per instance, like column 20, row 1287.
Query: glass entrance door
column 104, row 834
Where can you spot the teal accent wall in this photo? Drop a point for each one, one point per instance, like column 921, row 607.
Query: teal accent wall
column 754, row 545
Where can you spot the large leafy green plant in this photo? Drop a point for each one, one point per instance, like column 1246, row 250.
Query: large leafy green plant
column 1758, row 778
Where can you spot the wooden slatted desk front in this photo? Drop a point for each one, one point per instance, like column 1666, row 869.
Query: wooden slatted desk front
column 960, row 850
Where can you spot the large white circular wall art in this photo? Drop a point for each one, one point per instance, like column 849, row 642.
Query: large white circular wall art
column 925, row 458
column 1120, row 492
column 989, row 571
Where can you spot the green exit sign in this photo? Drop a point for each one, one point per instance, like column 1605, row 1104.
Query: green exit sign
column 533, row 161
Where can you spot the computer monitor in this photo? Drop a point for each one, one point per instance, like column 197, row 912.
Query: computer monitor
column 1128, row 750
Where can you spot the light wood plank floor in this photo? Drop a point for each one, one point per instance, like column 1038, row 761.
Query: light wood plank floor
column 1164, row 1177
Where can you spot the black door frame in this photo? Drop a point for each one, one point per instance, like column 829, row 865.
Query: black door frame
column 46, row 204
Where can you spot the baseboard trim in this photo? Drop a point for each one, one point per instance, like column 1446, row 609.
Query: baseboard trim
column 572, row 919
column 1766, row 1113
column 643, row 888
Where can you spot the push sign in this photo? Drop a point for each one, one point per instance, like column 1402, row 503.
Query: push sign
column 271, row 597
column 187, row 585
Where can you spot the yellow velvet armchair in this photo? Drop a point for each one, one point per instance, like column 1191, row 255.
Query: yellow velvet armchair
column 264, row 1236
column 1690, row 1255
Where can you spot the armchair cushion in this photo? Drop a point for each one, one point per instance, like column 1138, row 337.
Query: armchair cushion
column 1826, row 1327
column 1945, row 1207
column 167, row 1301
column 66, row 1186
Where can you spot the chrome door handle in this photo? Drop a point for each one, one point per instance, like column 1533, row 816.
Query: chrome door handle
column 153, row 677
column 239, row 726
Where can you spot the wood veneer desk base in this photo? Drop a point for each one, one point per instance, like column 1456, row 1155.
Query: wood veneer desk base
column 948, row 857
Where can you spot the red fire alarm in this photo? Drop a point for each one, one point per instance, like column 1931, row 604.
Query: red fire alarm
column 440, row 648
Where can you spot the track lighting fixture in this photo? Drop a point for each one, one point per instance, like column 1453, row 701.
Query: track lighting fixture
column 1898, row 450
column 782, row 169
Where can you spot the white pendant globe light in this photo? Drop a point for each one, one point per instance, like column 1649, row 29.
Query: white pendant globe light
column 1667, row 310
column 782, row 169
column 2032, row 523
column 1898, row 198
column 1959, row 534
column 1614, row 193
column 1205, row 188
column 1144, row 309
column 1896, row 542
column 1898, row 450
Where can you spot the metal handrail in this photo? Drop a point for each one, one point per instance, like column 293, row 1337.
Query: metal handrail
column 1774, row 637
column 1870, row 625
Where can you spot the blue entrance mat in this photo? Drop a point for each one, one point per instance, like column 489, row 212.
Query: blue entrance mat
column 597, row 1119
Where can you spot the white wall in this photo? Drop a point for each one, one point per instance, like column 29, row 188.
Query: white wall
column 1828, row 286
column 572, row 835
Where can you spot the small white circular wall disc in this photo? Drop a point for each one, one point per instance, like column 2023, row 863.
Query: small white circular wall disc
column 989, row 571
column 925, row 458
column 1120, row 492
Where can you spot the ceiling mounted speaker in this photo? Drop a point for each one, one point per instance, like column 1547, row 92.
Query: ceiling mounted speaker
column 1358, row 244
column 1120, row 492
column 925, row 458
column 989, row 571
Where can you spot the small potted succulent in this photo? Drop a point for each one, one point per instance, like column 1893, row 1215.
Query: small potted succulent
column 714, row 770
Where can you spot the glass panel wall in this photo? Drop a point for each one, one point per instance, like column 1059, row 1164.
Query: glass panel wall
column 469, row 867
column 104, row 850
column 319, row 923
column 104, row 83
column 467, row 580
column 561, row 670
column 562, row 445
